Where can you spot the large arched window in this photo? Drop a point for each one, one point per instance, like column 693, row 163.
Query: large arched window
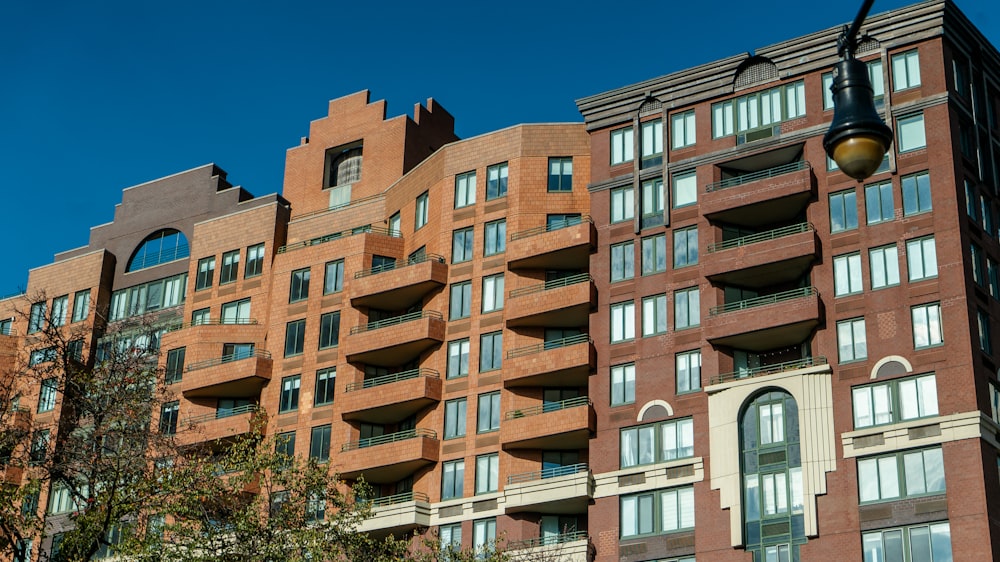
column 159, row 247
column 772, row 477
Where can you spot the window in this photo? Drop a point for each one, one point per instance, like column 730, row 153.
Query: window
column 461, row 300
column 976, row 257
column 295, row 337
column 461, row 245
column 496, row 238
column 59, row 309
column 458, row 358
column 688, row 373
column 6, row 325
column 983, row 322
column 493, row 292
column 622, row 204
column 329, row 330
column 39, row 446
column 901, row 475
column 236, row 351
column 621, row 146
column 657, row 442
column 663, row 511
column 993, row 272
column 61, row 499
column 875, row 76
column 42, row 356
column 285, row 445
column 206, row 270
column 174, row 369
column 623, row 384
column 652, row 202
column 47, row 395
column 201, row 317
column 652, row 143
column 160, row 247
column 905, row 70
column 333, row 277
column 326, row 380
column 847, row 274
column 420, row 216
column 450, row 536
column 255, row 261
column 490, row 351
column 465, row 189
column 289, row 394
column 921, row 258
column 237, row 312
column 916, row 193
column 623, row 261
column 843, row 211
column 230, row 267
column 454, row 418
column 488, row 413
column 654, row 315
column 560, row 221
column 930, row 543
column 910, row 132
column 895, row 401
column 878, row 202
column 654, row 254
column 682, row 129
column 685, row 246
column 758, row 110
column 687, row 308
column 496, row 181
column 622, row 321
column 36, row 318
column 487, row 473
column 319, row 444
column 168, row 417
column 561, row 174
column 884, row 264
column 927, row 330
column 851, row 340
column 81, row 305
column 299, row 289
column 453, row 482
column 484, row 536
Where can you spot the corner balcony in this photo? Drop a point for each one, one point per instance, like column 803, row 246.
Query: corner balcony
column 560, row 490
column 395, row 341
column 769, row 370
column 390, row 398
column 390, row 457
column 561, row 302
column 400, row 513
column 563, row 362
column 221, row 424
column 567, row 424
column 767, row 258
column 241, row 375
column 767, row 322
column 566, row 547
column 565, row 245
column 397, row 287
column 774, row 195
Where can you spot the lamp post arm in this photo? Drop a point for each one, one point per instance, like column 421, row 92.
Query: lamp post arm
column 847, row 43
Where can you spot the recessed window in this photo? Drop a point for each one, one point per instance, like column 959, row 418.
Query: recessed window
column 622, row 146
column 688, row 373
column 333, row 277
column 654, row 315
column 237, row 312
column 461, row 245
column 843, row 211
column 682, row 127
column 927, row 328
column 255, row 261
column 295, row 337
column 326, row 380
column 488, row 413
column 496, row 237
column 487, row 473
column 852, row 342
column 918, row 542
column 654, row 254
column 687, row 308
column 319, row 444
column 47, row 395
column 910, row 133
column 454, row 418
column 622, row 321
column 81, row 305
column 921, row 258
column 560, row 174
column 916, row 193
column 758, row 110
column 622, row 204
column 458, row 358
column 895, row 401
column 160, row 247
column 230, row 267
column 299, row 289
column 59, row 309
column 461, row 300
column 490, row 351
column 206, row 271
column 343, row 165
column 329, row 330
column 201, row 316
column 420, row 218
column 465, row 189
column 657, row 442
column 652, row 202
column 168, row 418
column 657, row 512
column 878, row 202
column 36, row 318
column 493, row 292
column 884, row 264
column 685, row 189
column 289, row 394
column 622, row 261
column 847, row 274
column 652, row 143
column 174, row 369
column 623, row 384
column 496, row 181
column 685, row 247
column 905, row 70
column 452, row 484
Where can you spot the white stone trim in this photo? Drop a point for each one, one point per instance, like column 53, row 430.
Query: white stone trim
column 888, row 358
column 650, row 404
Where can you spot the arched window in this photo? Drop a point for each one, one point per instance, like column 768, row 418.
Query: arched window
column 159, row 247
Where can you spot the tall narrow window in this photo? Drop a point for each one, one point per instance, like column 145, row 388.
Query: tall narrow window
column 319, row 444
column 289, row 394
column 47, row 395
column 461, row 245
column 927, row 329
column 461, row 300
column 688, row 373
column 420, row 217
column 452, row 482
column 623, row 261
column 487, row 473
column 59, row 309
column 454, row 418
column 921, row 258
column 174, row 369
column 488, row 413
column 255, row 261
column 652, row 202
column 36, row 318
column 458, row 358
column 847, row 274
column 295, row 337
column 654, row 254
column 652, row 143
column 168, row 418
column 878, row 202
column 654, row 315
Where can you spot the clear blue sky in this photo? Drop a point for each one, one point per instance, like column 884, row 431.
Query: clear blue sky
column 101, row 95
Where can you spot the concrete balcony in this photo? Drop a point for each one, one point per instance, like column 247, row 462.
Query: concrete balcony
column 241, row 375
column 767, row 322
column 560, row 490
column 401, row 513
column 390, row 457
column 565, row 245
column 565, row 547
column 567, row 424
column 769, row 196
column 395, row 341
column 563, row 302
column 764, row 259
column 392, row 397
column 398, row 287
column 220, row 425
column 564, row 362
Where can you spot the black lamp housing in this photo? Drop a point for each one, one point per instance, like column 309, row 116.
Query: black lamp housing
column 858, row 138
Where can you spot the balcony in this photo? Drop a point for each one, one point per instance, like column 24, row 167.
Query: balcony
column 769, row 196
column 560, row 490
column 561, row 302
column 240, row 375
column 567, row 424
column 406, row 285
column 563, row 362
column 567, row 547
column 769, row 369
column 361, row 230
column 398, row 513
column 390, row 457
column 767, row 322
column 221, row 424
column 395, row 341
column 391, row 398
column 764, row 259
column 565, row 245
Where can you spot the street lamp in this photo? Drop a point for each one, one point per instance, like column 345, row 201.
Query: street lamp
column 858, row 138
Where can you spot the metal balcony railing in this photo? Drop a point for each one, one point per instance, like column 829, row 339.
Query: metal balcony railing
column 337, row 235
column 388, row 438
column 397, row 498
column 549, row 285
column 396, row 320
column 762, row 301
column 163, row 256
column 396, row 265
column 548, row 407
column 213, row 322
column 389, row 379
column 545, row 541
column 761, row 237
column 760, row 175
column 259, row 353
column 545, row 346
column 546, row 473
column 221, row 413
column 770, row 369
column 557, row 225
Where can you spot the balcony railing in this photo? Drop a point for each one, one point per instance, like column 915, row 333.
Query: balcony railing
column 548, row 407
column 544, row 541
column 549, row 285
column 337, row 235
column 762, row 301
column 556, row 225
column 545, row 346
column 259, row 353
column 396, row 320
column 221, row 413
column 163, row 256
column 755, row 176
column 388, row 438
column 397, row 498
column 760, row 237
column 395, row 377
column 213, row 322
column 770, row 369
column 394, row 266
column 545, row 473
